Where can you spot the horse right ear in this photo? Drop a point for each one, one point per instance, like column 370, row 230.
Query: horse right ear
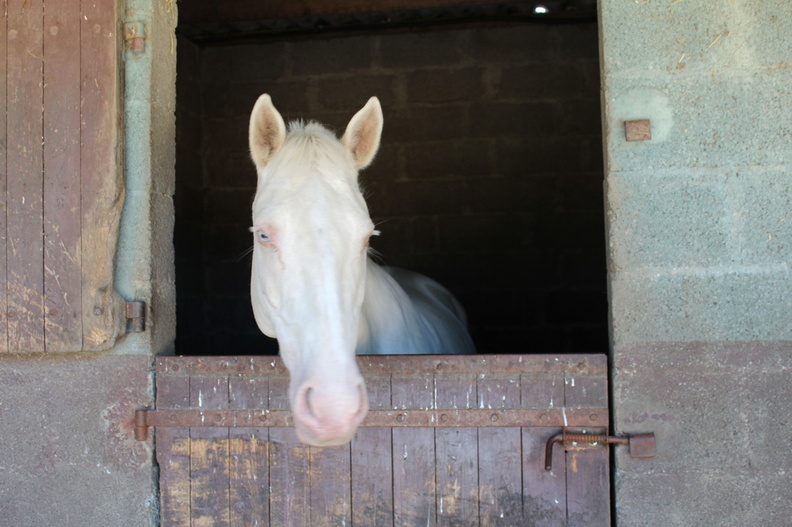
column 267, row 131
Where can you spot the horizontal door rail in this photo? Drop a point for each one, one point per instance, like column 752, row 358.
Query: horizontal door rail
column 474, row 418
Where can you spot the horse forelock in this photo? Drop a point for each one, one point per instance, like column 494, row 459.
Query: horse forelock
column 310, row 149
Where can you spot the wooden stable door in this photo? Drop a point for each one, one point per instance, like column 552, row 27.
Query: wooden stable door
column 60, row 175
column 449, row 440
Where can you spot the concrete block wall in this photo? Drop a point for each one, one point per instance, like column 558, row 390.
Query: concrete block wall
column 489, row 177
column 699, row 257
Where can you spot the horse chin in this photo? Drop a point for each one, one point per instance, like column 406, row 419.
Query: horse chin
column 319, row 439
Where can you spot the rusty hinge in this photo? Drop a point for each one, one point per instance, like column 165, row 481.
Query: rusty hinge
column 136, row 315
column 641, row 445
column 135, row 37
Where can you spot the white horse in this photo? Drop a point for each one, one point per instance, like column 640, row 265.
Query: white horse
column 313, row 286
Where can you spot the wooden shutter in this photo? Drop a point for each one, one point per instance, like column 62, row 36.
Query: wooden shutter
column 61, row 187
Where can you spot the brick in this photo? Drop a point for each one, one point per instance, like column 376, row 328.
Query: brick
column 580, row 39
column 419, row 49
column 484, row 233
column 290, row 98
column 429, row 123
column 444, row 85
column 447, row 159
column 525, row 157
column 350, row 93
column 228, row 206
column 580, row 116
column 423, row 234
column 330, row 55
column 227, row 134
column 524, row 43
column 522, row 195
column 550, row 80
column 504, row 119
column 231, row 170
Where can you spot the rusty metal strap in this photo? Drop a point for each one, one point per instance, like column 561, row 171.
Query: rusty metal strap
column 587, row 417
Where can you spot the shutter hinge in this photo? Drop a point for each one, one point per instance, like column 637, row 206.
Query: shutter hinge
column 136, row 316
column 135, row 37
column 640, row 445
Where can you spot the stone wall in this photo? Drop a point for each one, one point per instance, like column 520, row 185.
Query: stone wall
column 489, row 177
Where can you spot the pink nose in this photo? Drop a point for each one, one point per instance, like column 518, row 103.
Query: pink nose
column 328, row 414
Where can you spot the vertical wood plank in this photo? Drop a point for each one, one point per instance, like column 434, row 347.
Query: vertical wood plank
column 414, row 488
column 457, row 456
column 500, row 455
column 101, row 182
column 249, row 455
column 289, row 468
column 173, row 453
column 25, row 282
column 62, row 255
column 588, row 469
column 372, row 466
column 330, row 482
column 544, row 493
column 209, row 456
column 3, row 179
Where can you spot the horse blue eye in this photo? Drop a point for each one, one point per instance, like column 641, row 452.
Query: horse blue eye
column 262, row 237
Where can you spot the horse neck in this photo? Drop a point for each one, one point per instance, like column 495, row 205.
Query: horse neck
column 390, row 321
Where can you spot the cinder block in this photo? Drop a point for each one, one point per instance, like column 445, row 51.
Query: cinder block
column 543, row 80
column 700, row 303
column 517, row 120
column 330, row 55
column 430, row 123
column 533, row 43
column 456, row 158
column 350, row 93
column 419, row 49
column 438, row 86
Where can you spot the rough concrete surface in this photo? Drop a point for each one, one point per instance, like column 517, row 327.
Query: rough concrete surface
column 69, row 457
column 699, row 257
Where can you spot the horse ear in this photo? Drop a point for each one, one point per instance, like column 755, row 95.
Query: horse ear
column 362, row 136
column 267, row 131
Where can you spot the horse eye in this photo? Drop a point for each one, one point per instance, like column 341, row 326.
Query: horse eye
column 262, row 237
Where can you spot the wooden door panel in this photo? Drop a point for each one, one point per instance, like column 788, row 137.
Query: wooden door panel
column 60, row 149
column 445, row 461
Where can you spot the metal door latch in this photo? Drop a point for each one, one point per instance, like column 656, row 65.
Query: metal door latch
column 641, row 445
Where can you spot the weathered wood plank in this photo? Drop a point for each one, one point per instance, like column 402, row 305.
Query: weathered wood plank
column 456, row 455
column 101, row 175
column 3, row 183
column 62, row 251
column 173, row 453
column 544, row 493
column 25, row 282
column 372, row 465
column 414, row 492
column 209, row 457
column 587, row 469
column 499, row 451
column 249, row 455
column 330, row 482
column 289, row 468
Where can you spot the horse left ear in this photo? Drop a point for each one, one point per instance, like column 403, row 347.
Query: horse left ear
column 362, row 136
column 267, row 131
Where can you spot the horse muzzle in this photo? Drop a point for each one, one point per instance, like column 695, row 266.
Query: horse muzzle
column 328, row 414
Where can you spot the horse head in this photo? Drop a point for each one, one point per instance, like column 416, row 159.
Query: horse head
column 311, row 228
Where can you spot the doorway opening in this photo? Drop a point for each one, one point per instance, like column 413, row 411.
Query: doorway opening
column 489, row 177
